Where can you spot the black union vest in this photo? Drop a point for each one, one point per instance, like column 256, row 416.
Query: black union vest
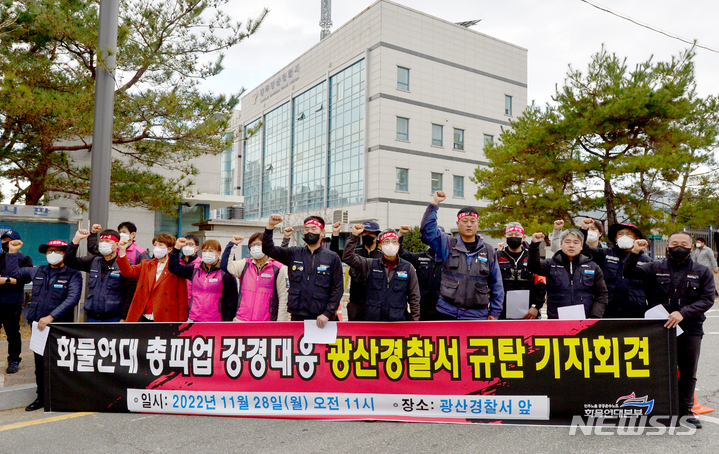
column 466, row 286
column 626, row 296
column 387, row 300
column 566, row 290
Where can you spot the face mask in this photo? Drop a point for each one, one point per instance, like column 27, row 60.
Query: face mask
column 311, row 238
column 124, row 236
column 625, row 242
column 678, row 253
column 390, row 250
column 699, row 245
column 514, row 242
column 592, row 236
column 6, row 246
column 188, row 251
column 159, row 252
column 367, row 240
column 53, row 258
column 105, row 248
column 209, row 257
column 256, row 252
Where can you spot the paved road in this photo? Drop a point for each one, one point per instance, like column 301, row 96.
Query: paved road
column 23, row 432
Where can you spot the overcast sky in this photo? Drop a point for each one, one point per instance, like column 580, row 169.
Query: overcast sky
column 555, row 32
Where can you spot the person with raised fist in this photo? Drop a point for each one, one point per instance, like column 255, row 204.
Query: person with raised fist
column 315, row 272
column 391, row 283
column 105, row 298
column 366, row 247
column 56, row 290
column 160, row 295
column 11, row 300
column 686, row 290
column 263, row 281
column 572, row 278
column 513, row 263
column 592, row 238
column 471, row 286
column 627, row 298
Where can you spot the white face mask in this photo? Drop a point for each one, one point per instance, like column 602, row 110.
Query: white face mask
column 124, row 236
column 699, row 245
column 256, row 252
column 209, row 257
column 159, row 252
column 625, row 242
column 53, row 258
column 188, row 251
column 592, row 236
column 105, row 248
column 390, row 250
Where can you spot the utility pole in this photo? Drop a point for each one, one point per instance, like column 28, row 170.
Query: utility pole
column 326, row 19
column 104, row 107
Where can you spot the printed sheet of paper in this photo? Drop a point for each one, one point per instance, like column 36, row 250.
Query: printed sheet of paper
column 517, row 303
column 575, row 312
column 316, row 335
column 38, row 339
column 658, row 312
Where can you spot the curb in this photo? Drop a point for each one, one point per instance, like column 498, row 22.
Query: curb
column 17, row 396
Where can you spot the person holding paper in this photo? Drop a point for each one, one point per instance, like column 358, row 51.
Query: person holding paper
column 391, row 281
column 56, row 290
column 627, row 298
column 524, row 291
column 686, row 290
column 315, row 272
column 471, row 286
column 572, row 278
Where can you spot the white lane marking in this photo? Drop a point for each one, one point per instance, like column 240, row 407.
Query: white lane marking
column 708, row 419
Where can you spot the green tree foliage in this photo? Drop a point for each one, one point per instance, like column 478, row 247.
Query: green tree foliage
column 637, row 145
column 413, row 242
column 48, row 62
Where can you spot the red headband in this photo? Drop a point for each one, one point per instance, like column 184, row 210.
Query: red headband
column 387, row 235
column 315, row 222
column 466, row 213
column 110, row 237
column 514, row 228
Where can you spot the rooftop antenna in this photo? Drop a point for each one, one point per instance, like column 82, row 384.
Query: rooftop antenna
column 326, row 19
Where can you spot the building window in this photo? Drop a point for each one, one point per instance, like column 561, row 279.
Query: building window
column 402, row 78
column 458, row 139
column 488, row 140
column 402, row 180
column 458, row 186
column 436, row 182
column 437, row 135
column 403, row 129
column 507, row 105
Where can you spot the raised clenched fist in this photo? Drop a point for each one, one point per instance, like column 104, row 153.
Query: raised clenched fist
column 537, row 237
column 124, row 244
column 438, row 196
column 336, row 227
column 587, row 223
column 404, row 229
column 357, row 229
column 287, row 233
column 180, row 243
column 640, row 245
column 14, row 246
column 274, row 220
column 237, row 239
column 96, row 228
column 558, row 224
column 82, row 234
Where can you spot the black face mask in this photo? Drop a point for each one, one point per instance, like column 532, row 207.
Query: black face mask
column 678, row 253
column 6, row 246
column 514, row 242
column 367, row 240
column 311, row 238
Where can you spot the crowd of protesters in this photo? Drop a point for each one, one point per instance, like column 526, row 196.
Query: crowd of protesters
column 457, row 278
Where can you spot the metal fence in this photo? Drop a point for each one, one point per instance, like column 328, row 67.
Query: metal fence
column 658, row 245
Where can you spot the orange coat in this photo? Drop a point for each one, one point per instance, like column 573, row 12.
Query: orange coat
column 169, row 293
